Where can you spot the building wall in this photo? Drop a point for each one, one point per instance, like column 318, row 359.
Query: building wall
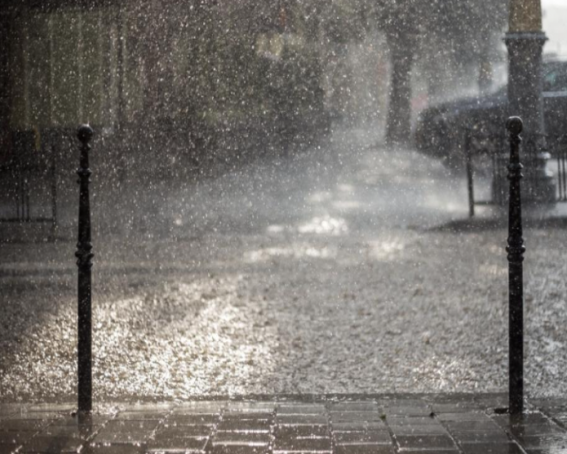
column 62, row 68
column 186, row 61
column 72, row 65
column 4, row 81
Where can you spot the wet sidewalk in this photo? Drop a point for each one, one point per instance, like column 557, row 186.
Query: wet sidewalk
column 362, row 424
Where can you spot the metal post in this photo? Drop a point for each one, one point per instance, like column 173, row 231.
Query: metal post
column 27, row 195
column 515, row 251
column 53, row 194
column 469, row 167
column 84, row 263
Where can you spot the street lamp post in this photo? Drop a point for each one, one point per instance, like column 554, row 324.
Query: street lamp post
column 525, row 40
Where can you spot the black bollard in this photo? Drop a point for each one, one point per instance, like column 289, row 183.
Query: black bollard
column 515, row 251
column 84, row 263
column 469, row 169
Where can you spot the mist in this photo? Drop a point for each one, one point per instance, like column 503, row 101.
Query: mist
column 266, row 217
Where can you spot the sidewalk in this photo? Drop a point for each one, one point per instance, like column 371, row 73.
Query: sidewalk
column 355, row 424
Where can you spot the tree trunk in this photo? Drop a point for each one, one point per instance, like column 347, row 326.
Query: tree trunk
column 485, row 70
column 398, row 128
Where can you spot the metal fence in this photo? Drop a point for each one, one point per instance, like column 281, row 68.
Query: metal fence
column 28, row 180
column 545, row 170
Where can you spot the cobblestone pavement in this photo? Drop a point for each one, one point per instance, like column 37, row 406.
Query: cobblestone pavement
column 379, row 424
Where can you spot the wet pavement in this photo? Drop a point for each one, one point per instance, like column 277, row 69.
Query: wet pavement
column 344, row 269
column 368, row 424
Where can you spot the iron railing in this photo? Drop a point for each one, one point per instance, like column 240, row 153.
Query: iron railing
column 27, row 175
column 545, row 172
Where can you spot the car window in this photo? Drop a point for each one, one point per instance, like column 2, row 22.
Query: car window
column 555, row 80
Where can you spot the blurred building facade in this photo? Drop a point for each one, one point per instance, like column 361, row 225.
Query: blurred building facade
column 145, row 67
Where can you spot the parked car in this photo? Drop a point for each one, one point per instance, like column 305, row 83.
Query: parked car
column 440, row 129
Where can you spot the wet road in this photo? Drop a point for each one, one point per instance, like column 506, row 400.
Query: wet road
column 321, row 274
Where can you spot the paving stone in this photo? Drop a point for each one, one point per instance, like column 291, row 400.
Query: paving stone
column 68, row 408
column 534, row 429
column 251, row 407
column 385, row 402
column 9, row 437
column 182, row 431
column 193, row 419
column 542, row 451
column 222, row 449
column 296, row 420
column 24, row 425
column 408, row 410
column 401, row 401
column 472, row 416
column 426, row 451
column 355, row 416
column 139, row 416
column 434, row 429
column 300, row 409
column 491, row 448
column 481, row 437
column 83, row 432
column 492, row 399
column 454, row 408
column 148, row 408
column 205, row 407
column 113, row 449
column 473, row 426
column 125, row 426
column 51, row 445
column 74, row 420
column 355, row 427
column 358, row 426
column 178, row 445
column 411, row 421
column 362, row 438
column 361, row 406
column 449, row 397
column 551, row 402
column 131, row 437
column 320, row 431
column 241, row 416
column 425, row 442
column 28, row 416
column 8, row 448
column 11, row 408
column 239, row 438
column 245, row 425
column 561, row 420
column 507, row 421
column 363, row 449
column 302, row 445
column 489, row 398
column 543, row 441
